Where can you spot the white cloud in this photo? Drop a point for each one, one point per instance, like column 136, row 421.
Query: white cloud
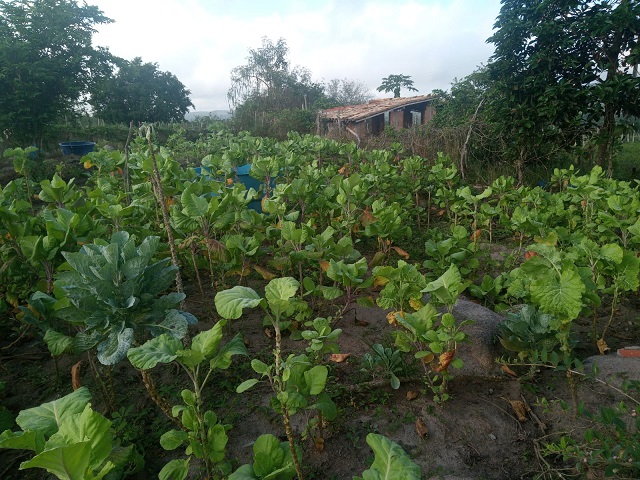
column 201, row 41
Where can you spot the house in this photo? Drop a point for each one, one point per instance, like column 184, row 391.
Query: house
column 371, row 118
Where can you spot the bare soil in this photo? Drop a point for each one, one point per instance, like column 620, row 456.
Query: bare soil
column 476, row 435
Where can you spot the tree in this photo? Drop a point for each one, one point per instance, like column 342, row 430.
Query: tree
column 142, row 93
column 347, row 92
column 47, row 63
column 393, row 83
column 267, row 87
column 561, row 71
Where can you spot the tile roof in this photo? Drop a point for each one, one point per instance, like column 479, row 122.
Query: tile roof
column 356, row 113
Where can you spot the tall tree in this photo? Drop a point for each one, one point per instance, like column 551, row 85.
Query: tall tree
column 47, row 63
column 142, row 93
column 267, row 93
column 393, row 83
column 347, row 92
column 562, row 70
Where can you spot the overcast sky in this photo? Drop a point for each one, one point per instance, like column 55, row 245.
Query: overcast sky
column 201, row 41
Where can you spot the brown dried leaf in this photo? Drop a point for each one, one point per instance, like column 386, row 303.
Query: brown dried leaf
column 403, row 253
column 520, row 408
column 421, row 428
column 75, row 376
column 324, row 265
column 264, row 273
column 339, row 357
column 602, row 346
column 367, row 218
column 416, row 303
column 411, row 395
column 268, row 332
column 444, row 360
column 319, row 443
column 508, row 371
column 475, row 235
column 391, row 318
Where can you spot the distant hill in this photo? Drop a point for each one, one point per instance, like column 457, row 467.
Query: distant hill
column 221, row 114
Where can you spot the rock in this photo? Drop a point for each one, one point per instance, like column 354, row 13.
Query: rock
column 478, row 353
column 614, row 369
column 481, row 350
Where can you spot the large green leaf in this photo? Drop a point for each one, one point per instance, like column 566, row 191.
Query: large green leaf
column 245, row 472
column 161, row 349
column 88, row 425
column 58, row 343
column 233, row 347
column 316, row 379
column 48, row 417
column 447, row 287
column 279, row 291
column 230, row 303
column 28, row 440
column 115, row 347
column 267, row 455
column 175, row 470
column 560, row 296
column 173, row 439
column 207, row 342
column 67, row 463
column 390, row 462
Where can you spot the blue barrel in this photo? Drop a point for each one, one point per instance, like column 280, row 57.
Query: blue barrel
column 76, row 148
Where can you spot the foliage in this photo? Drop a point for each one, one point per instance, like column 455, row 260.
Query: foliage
column 527, row 331
column 70, row 440
column 347, row 92
column 610, row 446
column 576, row 77
column 140, row 92
column 111, row 294
column 47, row 62
column 388, row 360
column 271, row 460
column 205, row 438
column 393, row 83
column 267, row 90
column 390, row 462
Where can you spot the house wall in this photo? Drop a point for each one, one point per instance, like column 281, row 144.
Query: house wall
column 428, row 113
column 396, row 119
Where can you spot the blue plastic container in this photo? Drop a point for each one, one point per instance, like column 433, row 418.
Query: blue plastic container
column 76, row 148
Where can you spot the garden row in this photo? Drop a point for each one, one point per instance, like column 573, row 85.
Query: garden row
column 91, row 268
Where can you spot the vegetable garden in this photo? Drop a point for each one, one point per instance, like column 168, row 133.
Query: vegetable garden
column 162, row 318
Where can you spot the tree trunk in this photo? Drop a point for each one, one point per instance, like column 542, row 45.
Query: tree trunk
column 607, row 139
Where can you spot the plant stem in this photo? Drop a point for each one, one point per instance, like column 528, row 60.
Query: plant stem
column 165, row 216
column 150, row 385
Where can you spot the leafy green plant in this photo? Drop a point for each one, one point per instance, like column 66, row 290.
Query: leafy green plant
column 277, row 305
column 387, row 359
column 611, row 446
column 322, row 338
column 70, row 440
column 205, row 438
column 433, row 335
column 112, row 293
column 390, row 462
column 527, row 331
column 456, row 249
column 402, row 287
column 272, row 459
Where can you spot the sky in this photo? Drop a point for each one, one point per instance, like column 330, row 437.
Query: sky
column 201, row 41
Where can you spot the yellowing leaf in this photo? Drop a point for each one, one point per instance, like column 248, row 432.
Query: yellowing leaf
column 421, row 428
column 264, row 273
column 401, row 252
column 324, row 265
column 416, row 303
column 339, row 357
column 602, row 346
column 520, row 409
